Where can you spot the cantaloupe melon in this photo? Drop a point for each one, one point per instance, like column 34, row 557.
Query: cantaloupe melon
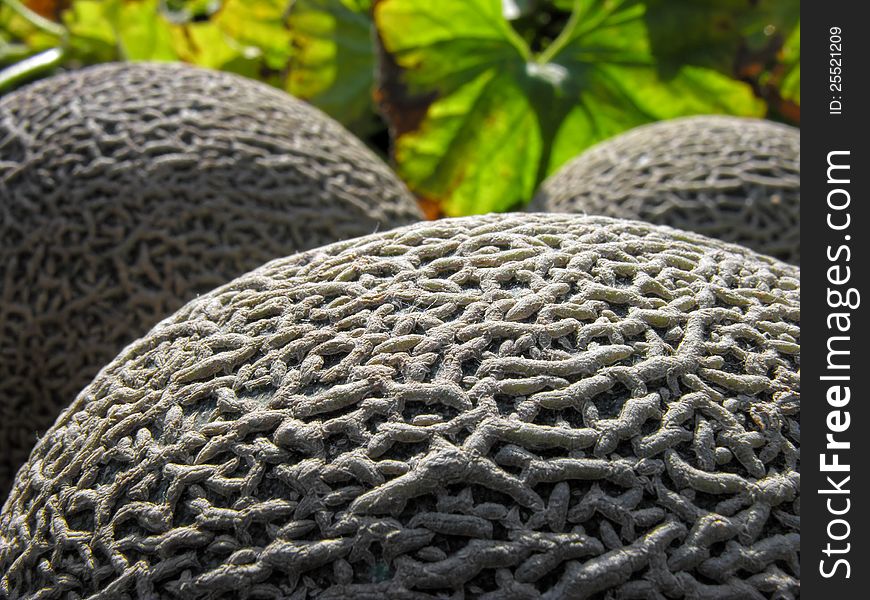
column 731, row 178
column 506, row 406
column 128, row 189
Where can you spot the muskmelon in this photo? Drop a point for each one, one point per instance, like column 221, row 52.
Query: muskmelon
column 128, row 189
column 731, row 178
column 506, row 406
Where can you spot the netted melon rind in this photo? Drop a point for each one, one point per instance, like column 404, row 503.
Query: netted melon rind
column 128, row 189
column 731, row 178
column 508, row 406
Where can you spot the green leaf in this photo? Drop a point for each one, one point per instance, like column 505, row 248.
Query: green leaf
column 476, row 143
column 711, row 32
column 11, row 52
column 92, row 34
column 23, row 33
column 333, row 64
column 790, row 88
column 249, row 37
column 497, row 119
column 244, row 36
column 187, row 11
column 257, row 30
column 119, row 30
column 90, row 19
column 205, row 44
column 33, row 18
column 142, row 33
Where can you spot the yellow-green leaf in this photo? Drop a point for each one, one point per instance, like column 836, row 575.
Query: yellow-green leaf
column 333, row 63
column 495, row 119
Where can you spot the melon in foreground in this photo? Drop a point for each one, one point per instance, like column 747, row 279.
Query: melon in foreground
column 128, row 189
column 506, row 406
column 731, row 178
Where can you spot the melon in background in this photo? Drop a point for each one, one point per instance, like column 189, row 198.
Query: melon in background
column 732, row 178
column 128, row 189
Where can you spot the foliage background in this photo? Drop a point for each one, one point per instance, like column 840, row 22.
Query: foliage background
column 474, row 101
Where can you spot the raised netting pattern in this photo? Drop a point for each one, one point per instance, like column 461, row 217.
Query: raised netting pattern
column 731, row 178
column 128, row 189
column 509, row 406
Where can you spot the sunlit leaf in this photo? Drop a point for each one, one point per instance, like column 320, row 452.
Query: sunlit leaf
column 204, row 44
column 92, row 37
column 141, row 33
column 790, row 88
column 188, row 11
column 497, row 119
column 476, row 143
column 333, row 63
column 258, row 30
column 248, row 37
column 19, row 31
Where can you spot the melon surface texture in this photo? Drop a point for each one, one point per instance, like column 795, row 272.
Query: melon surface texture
column 505, row 406
column 128, row 189
column 731, row 178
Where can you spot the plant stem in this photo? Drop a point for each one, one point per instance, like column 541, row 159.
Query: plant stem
column 27, row 68
column 518, row 42
column 564, row 37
